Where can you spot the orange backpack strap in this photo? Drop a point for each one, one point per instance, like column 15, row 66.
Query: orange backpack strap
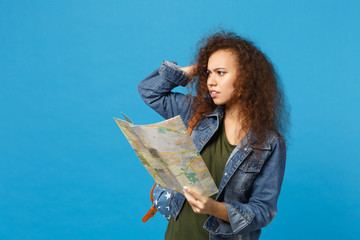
column 152, row 210
column 193, row 122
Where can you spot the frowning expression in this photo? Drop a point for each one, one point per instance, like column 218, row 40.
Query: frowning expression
column 222, row 75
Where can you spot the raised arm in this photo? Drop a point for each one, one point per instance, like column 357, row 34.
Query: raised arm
column 156, row 92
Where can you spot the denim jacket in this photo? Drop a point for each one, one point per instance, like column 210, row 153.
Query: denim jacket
column 253, row 174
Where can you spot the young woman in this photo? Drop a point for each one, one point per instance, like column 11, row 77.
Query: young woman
column 238, row 118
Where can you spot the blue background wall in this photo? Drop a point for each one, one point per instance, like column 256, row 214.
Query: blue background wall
column 68, row 67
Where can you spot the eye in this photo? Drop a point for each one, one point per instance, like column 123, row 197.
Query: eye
column 221, row 73
column 208, row 74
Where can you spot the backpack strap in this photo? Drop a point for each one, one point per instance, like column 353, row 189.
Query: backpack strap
column 193, row 122
column 152, row 210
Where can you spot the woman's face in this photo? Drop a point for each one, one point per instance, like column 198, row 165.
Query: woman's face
column 222, row 75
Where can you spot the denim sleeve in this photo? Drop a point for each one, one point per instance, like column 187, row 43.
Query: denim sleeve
column 156, row 92
column 162, row 199
column 167, row 202
column 262, row 205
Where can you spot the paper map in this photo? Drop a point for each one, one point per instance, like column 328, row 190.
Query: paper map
column 169, row 154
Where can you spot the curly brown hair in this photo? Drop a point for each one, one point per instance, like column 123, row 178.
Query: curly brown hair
column 258, row 93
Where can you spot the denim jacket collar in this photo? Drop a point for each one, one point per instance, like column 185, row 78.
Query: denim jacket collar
column 219, row 111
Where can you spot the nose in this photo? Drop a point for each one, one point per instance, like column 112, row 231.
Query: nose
column 211, row 81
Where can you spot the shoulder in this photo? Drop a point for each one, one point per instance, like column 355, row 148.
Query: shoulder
column 277, row 147
column 272, row 139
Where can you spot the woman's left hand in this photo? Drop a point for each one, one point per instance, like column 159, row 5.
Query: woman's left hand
column 199, row 203
column 205, row 205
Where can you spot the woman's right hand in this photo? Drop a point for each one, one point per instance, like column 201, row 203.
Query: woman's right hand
column 189, row 70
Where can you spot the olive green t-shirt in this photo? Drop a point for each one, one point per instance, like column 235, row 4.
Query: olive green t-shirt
column 189, row 225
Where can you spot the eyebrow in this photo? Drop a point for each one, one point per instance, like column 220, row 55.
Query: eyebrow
column 216, row 69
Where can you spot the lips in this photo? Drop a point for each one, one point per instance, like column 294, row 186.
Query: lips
column 213, row 93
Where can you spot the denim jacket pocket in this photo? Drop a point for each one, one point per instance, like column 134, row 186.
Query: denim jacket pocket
column 255, row 160
column 241, row 181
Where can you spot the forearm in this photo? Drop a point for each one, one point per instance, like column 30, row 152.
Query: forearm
column 156, row 90
column 219, row 210
column 163, row 80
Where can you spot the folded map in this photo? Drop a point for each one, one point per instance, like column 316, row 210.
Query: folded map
column 169, row 154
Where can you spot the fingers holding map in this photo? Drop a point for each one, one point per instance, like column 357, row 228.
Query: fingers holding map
column 169, row 154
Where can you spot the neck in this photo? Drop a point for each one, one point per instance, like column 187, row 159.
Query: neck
column 233, row 125
column 232, row 114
